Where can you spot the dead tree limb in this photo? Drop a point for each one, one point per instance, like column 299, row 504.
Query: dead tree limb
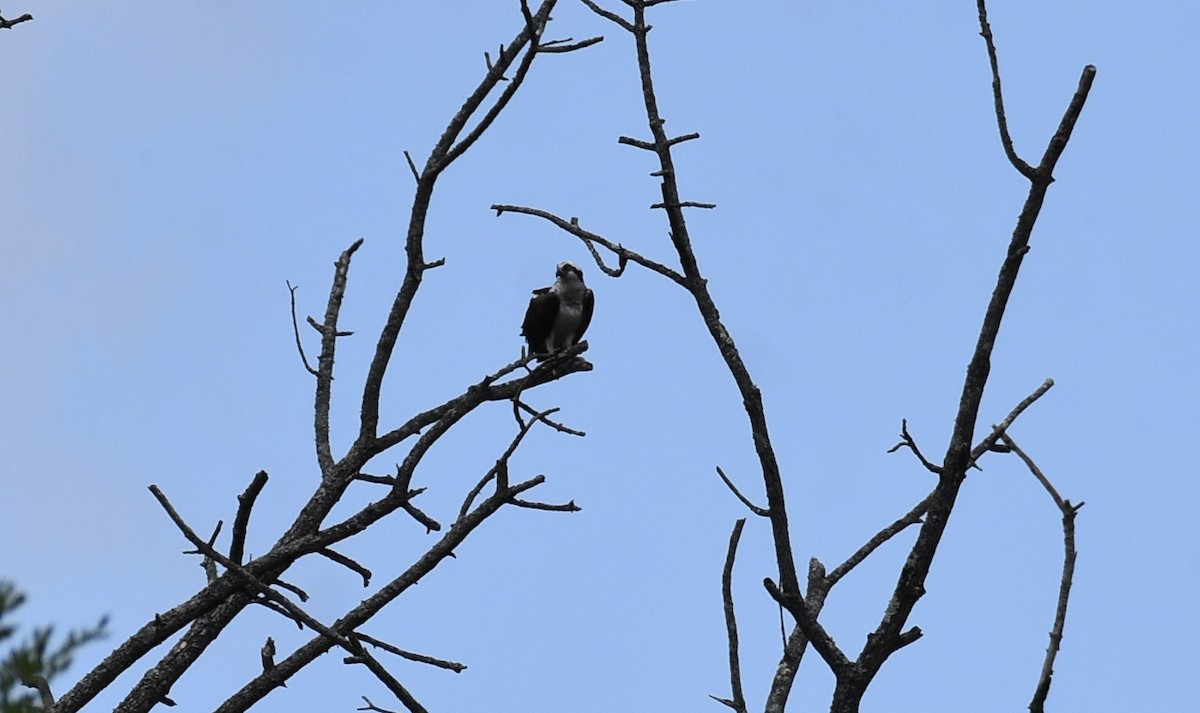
column 888, row 637
column 933, row 512
column 207, row 613
column 8, row 24
column 738, row 700
column 1068, row 510
column 264, row 683
column 241, row 522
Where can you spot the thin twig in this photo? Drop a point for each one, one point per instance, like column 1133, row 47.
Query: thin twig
column 563, row 46
column 401, row 693
column 910, row 587
column 369, row 607
column 572, row 226
column 756, row 509
column 551, row 507
column 985, row 30
column 1068, row 510
column 417, row 514
column 413, row 166
column 454, row 141
column 609, row 15
column 912, row 517
column 296, row 328
column 818, row 636
column 411, row 656
column 499, row 471
column 207, row 563
column 216, row 605
column 622, row 260
column 998, row 431
column 347, row 563
column 372, row 707
column 684, row 204
column 738, row 702
column 294, row 611
column 303, row 595
column 906, row 441
column 517, row 403
column 534, row 26
column 692, row 280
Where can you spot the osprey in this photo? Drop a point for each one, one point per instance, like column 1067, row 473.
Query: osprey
column 558, row 315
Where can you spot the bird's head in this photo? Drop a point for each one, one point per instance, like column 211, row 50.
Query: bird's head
column 568, row 271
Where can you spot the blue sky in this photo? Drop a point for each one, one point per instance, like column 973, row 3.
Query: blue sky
column 166, row 167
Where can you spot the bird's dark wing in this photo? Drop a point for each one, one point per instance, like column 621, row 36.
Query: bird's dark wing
column 539, row 319
column 589, row 301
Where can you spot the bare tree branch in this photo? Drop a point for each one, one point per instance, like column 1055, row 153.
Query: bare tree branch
column 207, row 563
column 329, row 335
column 417, row 514
column 399, row 691
column 412, row 166
column 242, row 520
column 448, row 148
column 738, row 702
column 210, row 610
column 623, row 254
column 372, row 707
column 521, row 405
column 609, row 15
column 296, row 329
column 933, row 512
column 1068, row 510
column 906, row 441
column 888, row 636
column 499, row 471
column 685, row 204
column 817, row 635
column 568, row 45
column 695, row 283
column 986, row 32
column 549, row 507
column 998, row 431
column 912, row 517
column 419, row 658
column 262, row 684
column 691, row 279
column 7, row 24
column 226, row 594
column 348, row 564
column 294, row 611
column 757, row 510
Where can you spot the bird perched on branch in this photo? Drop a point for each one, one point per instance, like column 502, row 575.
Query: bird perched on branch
column 558, row 315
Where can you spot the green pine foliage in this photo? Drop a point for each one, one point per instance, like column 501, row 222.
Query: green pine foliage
column 35, row 655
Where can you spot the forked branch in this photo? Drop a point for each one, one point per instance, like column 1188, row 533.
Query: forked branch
column 890, row 634
column 206, row 614
column 932, row 513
